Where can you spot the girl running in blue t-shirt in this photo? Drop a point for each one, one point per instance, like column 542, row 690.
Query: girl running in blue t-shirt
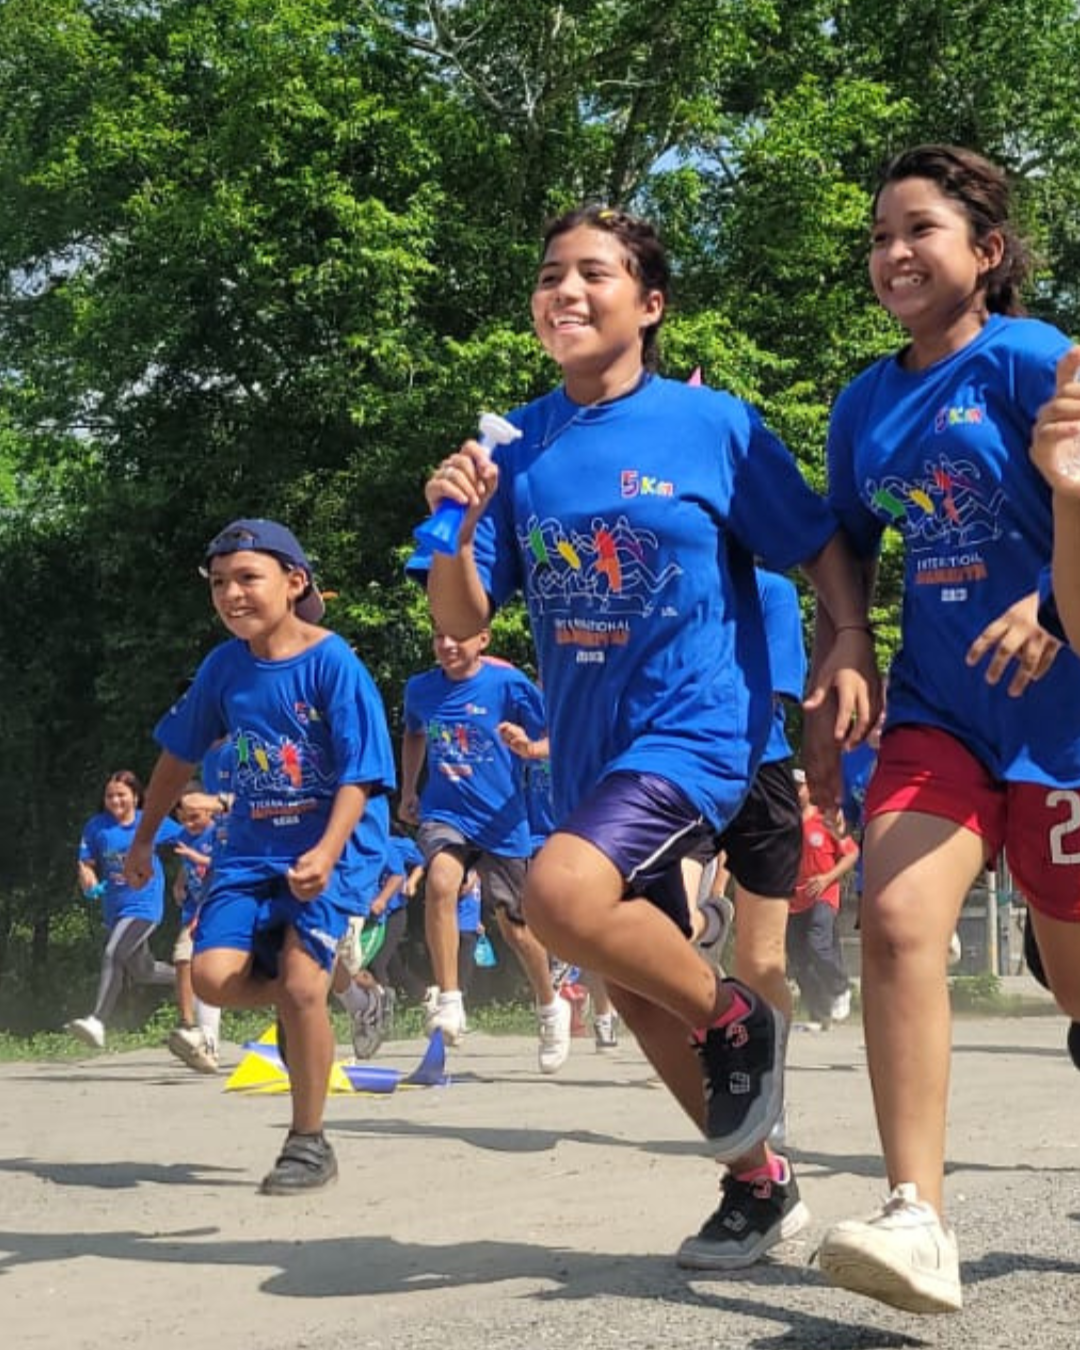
column 628, row 514
column 981, row 748
column 131, row 915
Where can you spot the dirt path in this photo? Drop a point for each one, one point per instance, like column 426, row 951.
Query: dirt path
column 506, row 1210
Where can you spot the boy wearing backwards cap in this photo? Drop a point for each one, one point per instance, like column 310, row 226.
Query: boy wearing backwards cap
column 309, row 820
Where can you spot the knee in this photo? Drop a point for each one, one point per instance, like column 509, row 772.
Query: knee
column 301, row 991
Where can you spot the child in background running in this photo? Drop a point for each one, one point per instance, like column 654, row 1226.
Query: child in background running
column 629, row 514
column 131, row 915
column 472, row 813
column 194, row 1040
column 982, row 730
column 309, row 818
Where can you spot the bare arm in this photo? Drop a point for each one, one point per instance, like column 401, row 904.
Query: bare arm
column 825, row 732
column 1055, row 451
column 413, row 755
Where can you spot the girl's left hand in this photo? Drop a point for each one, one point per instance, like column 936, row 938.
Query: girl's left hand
column 1016, row 636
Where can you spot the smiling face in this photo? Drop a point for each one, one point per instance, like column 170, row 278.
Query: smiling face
column 460, row 660
column 927, row 268
column 254, row 594
column 120, row 801
column 590, row 312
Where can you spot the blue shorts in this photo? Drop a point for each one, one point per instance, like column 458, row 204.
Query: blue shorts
column 645, row 825
column 254, row 917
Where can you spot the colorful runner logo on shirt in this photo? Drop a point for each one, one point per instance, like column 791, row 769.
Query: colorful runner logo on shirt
column 610, row 568
column 456, row 747
column 262, row 767
column 947, row 508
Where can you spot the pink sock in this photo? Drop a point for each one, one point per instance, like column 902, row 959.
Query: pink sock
column 738, row 1008
column 773, row 1170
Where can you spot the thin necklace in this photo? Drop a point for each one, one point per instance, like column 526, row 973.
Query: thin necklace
column 631, row 386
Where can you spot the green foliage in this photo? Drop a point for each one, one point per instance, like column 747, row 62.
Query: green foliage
column 274, row 257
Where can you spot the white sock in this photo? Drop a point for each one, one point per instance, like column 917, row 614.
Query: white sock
column 549, row 1009
column 450, row 996
column 208, row 1018
column 354, row 998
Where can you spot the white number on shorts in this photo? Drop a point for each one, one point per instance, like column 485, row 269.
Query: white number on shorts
column 1070, row 825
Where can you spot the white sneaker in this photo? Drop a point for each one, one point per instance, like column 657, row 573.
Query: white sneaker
column 447, row 1017
column 606, row 1031
column 840, row 1009
column 89, row 1030
column 189, row 1044
column 350, row 952
column 902, row 1256
column 554, row 1028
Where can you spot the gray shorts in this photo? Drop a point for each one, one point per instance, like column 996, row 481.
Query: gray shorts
column 502, row 880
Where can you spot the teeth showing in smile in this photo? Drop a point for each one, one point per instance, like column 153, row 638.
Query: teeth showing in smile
column 905, row 283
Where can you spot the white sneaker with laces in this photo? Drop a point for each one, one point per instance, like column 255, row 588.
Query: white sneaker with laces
column 554, row 1028
column 89, row 1030
column 902, row 1256
column 189, row 1044
column 448, row 1016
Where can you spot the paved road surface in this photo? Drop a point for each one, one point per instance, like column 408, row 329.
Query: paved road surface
column 508, row 1211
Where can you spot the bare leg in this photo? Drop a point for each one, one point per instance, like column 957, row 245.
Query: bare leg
column 532, row 957
column 918, row 870
column 760, row 958
column 444, row 878
column 303, row 987
column 185, row 994
column 1059, row 947
column 574, row 906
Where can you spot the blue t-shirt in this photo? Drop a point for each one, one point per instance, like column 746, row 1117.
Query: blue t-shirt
column 535, row 775
column 105, row 844
column 942, row 456
column 300, row 729
column 631, row 528
column 787, row 655
column 472, row 779
column 402, row 857
column 195, row 874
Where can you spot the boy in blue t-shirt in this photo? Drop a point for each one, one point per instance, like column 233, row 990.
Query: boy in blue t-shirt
column 472, row 813
column 194, row 1039
column 308, row 822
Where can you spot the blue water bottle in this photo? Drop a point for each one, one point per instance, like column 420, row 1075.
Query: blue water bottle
column 440, row 531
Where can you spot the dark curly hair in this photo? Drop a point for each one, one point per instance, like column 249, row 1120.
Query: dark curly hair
column 981, row 190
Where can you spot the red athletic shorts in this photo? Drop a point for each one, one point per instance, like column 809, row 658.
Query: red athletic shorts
column 927, row 770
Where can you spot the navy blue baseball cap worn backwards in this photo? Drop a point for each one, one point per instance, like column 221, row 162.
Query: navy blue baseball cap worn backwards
column 267, row 536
